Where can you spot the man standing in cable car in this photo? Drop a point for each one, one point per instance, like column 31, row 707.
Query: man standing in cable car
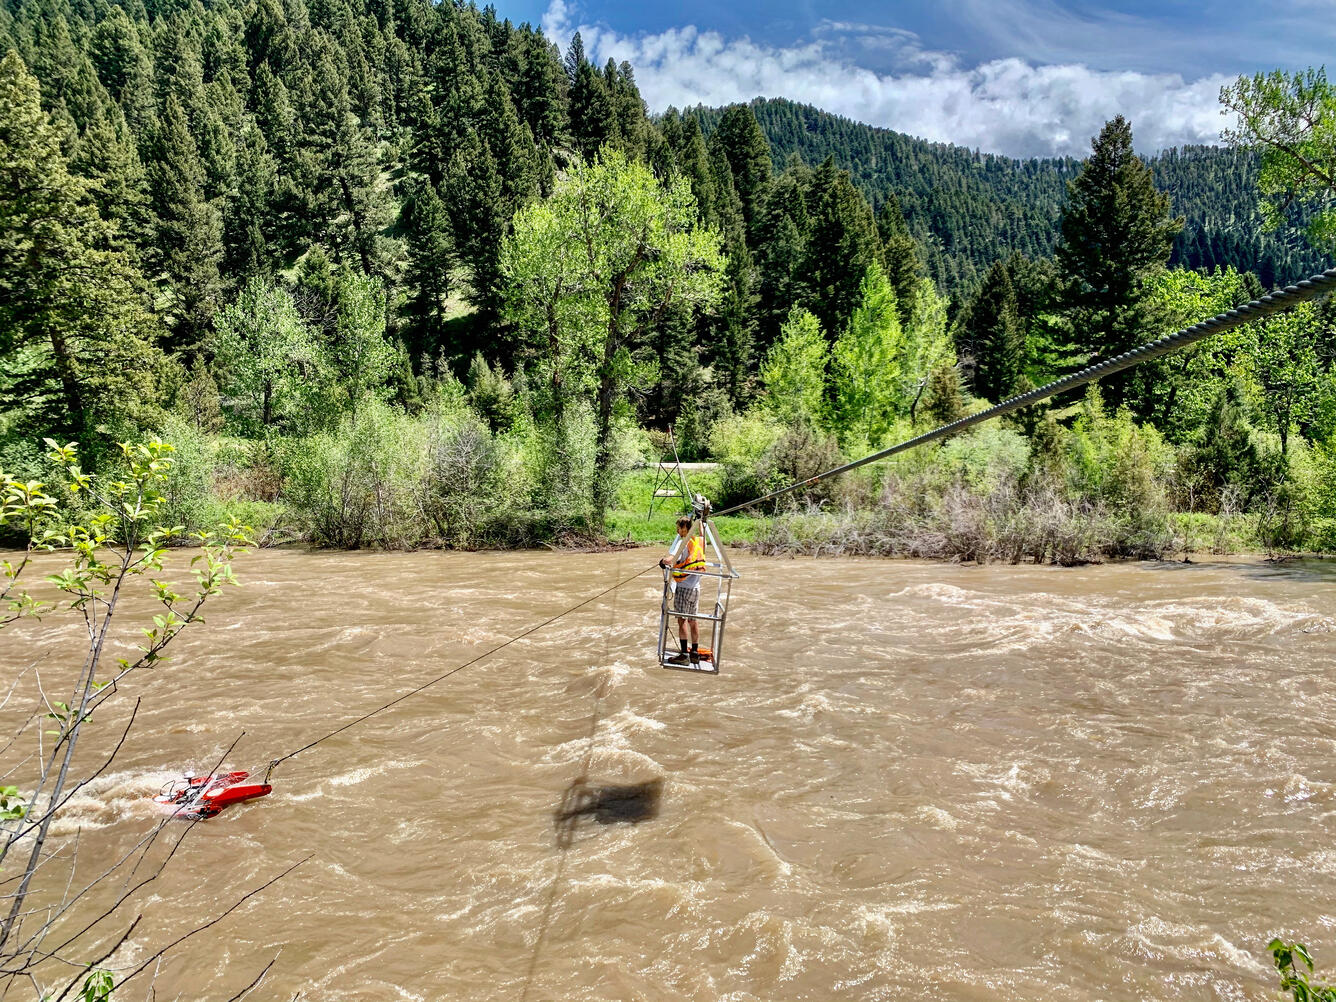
column 687, row 559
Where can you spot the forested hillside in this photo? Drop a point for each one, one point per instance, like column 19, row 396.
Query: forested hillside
column 967, row 208
column 392, row 272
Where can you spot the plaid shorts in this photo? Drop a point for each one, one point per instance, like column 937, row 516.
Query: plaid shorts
column 685, row 600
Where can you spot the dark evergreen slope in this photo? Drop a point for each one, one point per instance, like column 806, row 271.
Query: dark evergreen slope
column 968, row 209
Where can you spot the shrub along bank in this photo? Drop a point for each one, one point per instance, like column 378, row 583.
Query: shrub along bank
column 1095, row 485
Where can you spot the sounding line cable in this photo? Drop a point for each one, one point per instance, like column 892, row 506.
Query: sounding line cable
column 1281, row 299
column 458, row 668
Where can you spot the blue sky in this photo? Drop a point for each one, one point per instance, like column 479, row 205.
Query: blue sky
column 1022, row 77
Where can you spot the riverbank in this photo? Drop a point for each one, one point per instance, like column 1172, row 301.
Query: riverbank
column 990, row 496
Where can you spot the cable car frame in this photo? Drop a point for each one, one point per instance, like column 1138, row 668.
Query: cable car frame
column 717, row 569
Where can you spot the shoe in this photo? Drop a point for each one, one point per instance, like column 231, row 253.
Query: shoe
column 695, row 658
column 677, row 659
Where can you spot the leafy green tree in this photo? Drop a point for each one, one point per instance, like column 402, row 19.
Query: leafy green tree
column 271, row 368
column 1290, row 118
column 1116, row 238
column 592, row 270
column 794, row 371
column 109, row 534
column 1183, row 387
column 1285, row 364
column 866, row 366
column 360, row 359
column 1223, row 455
column 993, row 336
column 76, row 342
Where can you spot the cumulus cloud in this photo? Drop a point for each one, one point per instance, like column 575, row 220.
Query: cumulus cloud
column 1008, row 106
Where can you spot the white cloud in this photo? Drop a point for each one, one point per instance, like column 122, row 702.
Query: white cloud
column 1004, row 105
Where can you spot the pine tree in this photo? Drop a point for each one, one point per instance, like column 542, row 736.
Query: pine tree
column 693, row 160
column 106, row 158
column 993, row 336
column 116, row 51
column 427, row 229
column 1116, row 237
column 250, row 225
column 75, row 340
column 592, row 112
column 943, row 401
column 841, row 246
column 474, row 195
column 632, row 128
column 188, row 232
column 340, row 172
column 782, row 230
column 540, row 95
column 740, row 139
column 900, row 256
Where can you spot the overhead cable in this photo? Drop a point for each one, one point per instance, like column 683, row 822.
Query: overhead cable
column 1281, row 299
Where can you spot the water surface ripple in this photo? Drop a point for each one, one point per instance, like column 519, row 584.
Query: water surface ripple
column 911, row 780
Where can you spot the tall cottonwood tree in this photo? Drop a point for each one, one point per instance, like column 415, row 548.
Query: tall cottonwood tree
column 867, row 363
column 1290, row 118
column 595, row 267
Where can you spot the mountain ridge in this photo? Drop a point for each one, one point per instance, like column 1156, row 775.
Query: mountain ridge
column 967, row 208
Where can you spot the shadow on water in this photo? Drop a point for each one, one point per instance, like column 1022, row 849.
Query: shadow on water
column 582, row 802
column 605, row 805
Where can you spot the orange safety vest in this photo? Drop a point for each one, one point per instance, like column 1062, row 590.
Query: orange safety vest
column 692, row 559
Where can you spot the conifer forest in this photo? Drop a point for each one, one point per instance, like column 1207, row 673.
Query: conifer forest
column 397, row 273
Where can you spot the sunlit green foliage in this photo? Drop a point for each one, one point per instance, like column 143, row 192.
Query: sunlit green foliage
column 794, row 372
column 1290, row 118
column 594, row 267
column 867, row 367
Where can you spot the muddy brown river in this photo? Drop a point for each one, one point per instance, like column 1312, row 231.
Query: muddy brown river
column 911, row 780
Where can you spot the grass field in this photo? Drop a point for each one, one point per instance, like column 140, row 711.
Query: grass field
column 629, row 521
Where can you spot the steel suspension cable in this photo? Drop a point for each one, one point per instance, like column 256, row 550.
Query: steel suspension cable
column 1281, row 299
column 458, row 668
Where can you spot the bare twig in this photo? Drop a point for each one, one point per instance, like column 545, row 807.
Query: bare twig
column 255, row 984
column 212, row 922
